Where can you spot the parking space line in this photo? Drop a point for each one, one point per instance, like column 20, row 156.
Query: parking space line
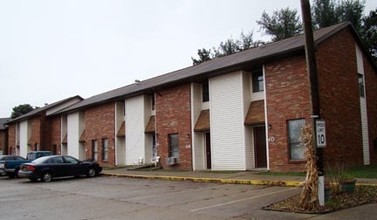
column 241, row 200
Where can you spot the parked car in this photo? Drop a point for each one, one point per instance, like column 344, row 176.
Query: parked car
column 5, row 158
column 11, row 167
column 48, row 167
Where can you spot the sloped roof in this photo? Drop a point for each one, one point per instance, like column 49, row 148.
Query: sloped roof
column 2, row 123
column 41, row 109
column 265, row 52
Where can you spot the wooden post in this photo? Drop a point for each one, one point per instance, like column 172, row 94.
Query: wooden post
column 313, row 81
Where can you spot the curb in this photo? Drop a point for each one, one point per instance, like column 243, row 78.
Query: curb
column 366, row 184
column 211, row 180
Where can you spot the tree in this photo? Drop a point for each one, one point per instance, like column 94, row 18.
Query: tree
column 281, row 24
column 226, row 48
column 324, row 13
column 352, row 11
column 21, row 110
column 204, row 55
column 370, row 33
column 330, row 12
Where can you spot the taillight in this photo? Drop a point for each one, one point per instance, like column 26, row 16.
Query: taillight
column 30, row 167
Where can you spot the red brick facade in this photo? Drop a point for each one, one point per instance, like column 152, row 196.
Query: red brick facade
column 287, row 95
column 173, row 116
column 287, row 92
column 3, row 141
column 40, row 133
column 340, row 99
column 12, row 139
column 35, row 140
column 99, row 124
column 55, row 134
column 287, row 98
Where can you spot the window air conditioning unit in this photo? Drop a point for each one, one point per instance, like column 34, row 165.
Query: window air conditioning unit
column 171, row 161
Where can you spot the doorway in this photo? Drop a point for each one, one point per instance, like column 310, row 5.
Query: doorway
column 208, row 151
column 260, row 155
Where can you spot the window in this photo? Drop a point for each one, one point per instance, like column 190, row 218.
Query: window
column 70, row 160
column 296, row 148
column 361, row 85
column 55, row 160
column 257, row 81
column 94, row 150
column 205, row 92
column 173, row 145
column 105, row 149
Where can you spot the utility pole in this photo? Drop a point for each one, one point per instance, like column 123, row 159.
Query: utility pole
column 314, row 91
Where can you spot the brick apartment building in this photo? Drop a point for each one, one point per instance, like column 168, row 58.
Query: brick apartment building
column 239, row 112
column 37, row 130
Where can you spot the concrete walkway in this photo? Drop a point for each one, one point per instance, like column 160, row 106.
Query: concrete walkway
column 231, row 177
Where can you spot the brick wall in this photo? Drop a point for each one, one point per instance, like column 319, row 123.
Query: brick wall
column 45, row 134
column 287, row 95
column 3, row 144
column 339, row 98
column 173, row 116
column 100, row 124
column 11, row 139
column 35, row 129
column 40, row 133
column 55, row 134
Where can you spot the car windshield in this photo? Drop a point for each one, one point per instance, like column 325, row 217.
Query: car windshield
column 2, row 156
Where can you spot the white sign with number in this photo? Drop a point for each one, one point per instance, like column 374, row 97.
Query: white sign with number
column 321, row 133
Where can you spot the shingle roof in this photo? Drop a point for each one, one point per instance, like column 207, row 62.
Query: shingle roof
column 268, row 51
column 40, row 110
column 2, row 123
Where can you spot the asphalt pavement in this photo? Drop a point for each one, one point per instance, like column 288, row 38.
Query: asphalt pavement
column 368, row 211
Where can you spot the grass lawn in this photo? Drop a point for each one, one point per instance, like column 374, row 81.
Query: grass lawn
column 368, row 171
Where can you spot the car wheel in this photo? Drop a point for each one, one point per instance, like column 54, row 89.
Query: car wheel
column 91, row 172
column 16, row 172
column 46, row 177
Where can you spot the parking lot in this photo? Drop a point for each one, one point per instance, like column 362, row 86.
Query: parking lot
column 126, row 198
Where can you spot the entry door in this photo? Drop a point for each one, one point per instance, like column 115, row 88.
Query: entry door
column 208, row 151
column 260, row 147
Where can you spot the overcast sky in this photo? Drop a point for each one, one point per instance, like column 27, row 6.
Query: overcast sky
column 54, row 49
